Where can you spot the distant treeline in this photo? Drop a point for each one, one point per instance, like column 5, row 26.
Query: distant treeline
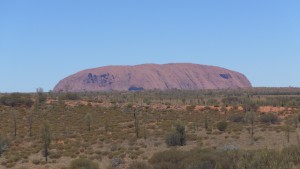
column 284, row 97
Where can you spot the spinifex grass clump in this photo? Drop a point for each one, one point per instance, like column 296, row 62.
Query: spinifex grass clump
column 3, row 144
column 83, row 164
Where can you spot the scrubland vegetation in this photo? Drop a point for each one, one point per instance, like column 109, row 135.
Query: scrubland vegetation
column 213, row 129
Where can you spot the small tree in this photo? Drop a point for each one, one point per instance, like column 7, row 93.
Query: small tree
column 46, row 139
column 15, row 122
column 250, row 118
column 145, row 132
column 106, row 121
column 145, row 125
column 196, row 123
column 296, row 120
column 88, row 121
column 181, row 131
column 130, row 108
column 30, row 121
column 40, row 97
column 136, row 123
column 288, row 132
column 206, row 123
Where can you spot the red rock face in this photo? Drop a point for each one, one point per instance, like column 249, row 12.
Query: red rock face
column 184, row 76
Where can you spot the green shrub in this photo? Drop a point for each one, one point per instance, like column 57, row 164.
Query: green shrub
column 176, row 138
column 236, row 118
column 173, row 139
column 221, row 126
column 16, row 99
column 83, row 164
column 269, row 118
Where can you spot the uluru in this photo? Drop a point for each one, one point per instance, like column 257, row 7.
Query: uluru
column 183, row 76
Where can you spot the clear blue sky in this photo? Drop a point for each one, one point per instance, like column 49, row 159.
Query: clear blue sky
column 42, row 42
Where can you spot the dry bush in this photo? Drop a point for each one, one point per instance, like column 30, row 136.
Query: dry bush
column 138, row 165
column 269, row 118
